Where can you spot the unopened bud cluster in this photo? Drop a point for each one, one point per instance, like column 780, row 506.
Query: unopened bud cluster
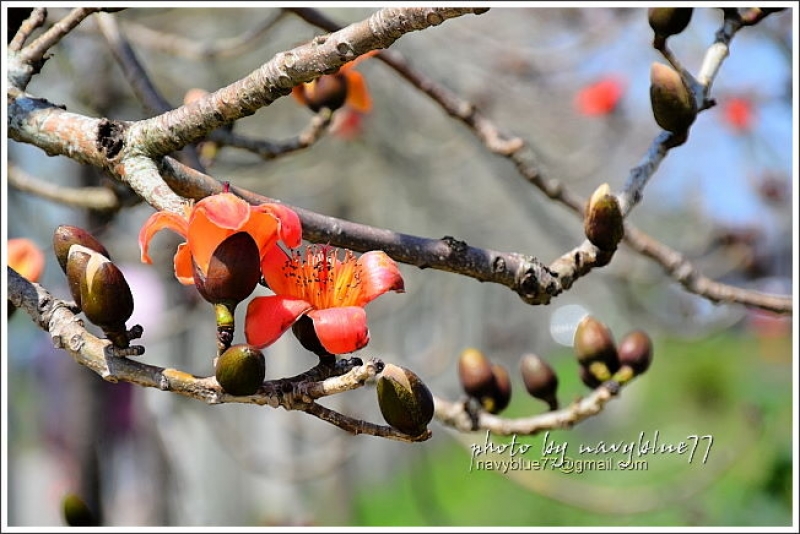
column 601, row 359
column 484, row 381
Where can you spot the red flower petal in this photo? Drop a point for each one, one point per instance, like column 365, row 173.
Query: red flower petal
column 341, row 330
column 291, row 231
column 159, row 221
column 183, row 265
column 358, row 96
column 269, row 317
column 272, row 268
column 379, row 274
column 225, row 210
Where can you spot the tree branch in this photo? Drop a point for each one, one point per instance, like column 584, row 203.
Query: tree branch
column 456, row 415
column 297, row 393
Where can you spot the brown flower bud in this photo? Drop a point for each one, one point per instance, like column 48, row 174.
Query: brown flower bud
column 303, row 330
column 106, row 298
column 327, row 91
column 674, row 106
column 65, row 236
column 540, row 379
column 498, row 398
column 475, row 373
column 593, row 341
column 233, row 271
column 405, row 401
column 602, row 222
column 241, row 369
column 636, row 351
column 667, row 21
column 588, row 378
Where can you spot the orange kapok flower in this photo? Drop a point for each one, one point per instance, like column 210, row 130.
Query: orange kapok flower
column 601, row 97
column 330, row 290
column 26, row 258
column 209, row 222
column 345, row 87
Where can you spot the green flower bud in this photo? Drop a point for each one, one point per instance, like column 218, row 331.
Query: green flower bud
column 77, row 513
column 475, row 373
column 241, row 370
column 540, row 379
column 636, row 351
column 667, row 21
column 65, row 236
column 602, row 221
column 405, row 401
column 233, row 271
column 674, row 106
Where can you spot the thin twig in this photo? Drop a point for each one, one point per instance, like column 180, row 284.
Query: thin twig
column 37, row 17
column 180, row 46
column 456, row 415
column 94, row 198
column 34, row 52
column 269, row 149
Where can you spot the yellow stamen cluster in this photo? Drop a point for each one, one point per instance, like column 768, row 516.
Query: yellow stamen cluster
column 324, row 279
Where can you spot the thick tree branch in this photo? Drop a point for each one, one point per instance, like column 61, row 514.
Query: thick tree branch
column 190, row 123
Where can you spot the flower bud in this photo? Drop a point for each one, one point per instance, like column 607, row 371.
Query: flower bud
column 241, row 369
column 65, row 236
column 77, row 513
column 498, row 398
column 674, row 106
column 405, row 401
column 475, row 373
column 602, row 222
column 540, row 379
column 76, row 268
column 105, row 297
column 593, row 342
column 636, row 351
column 327, row 91
column 667, row 21
column 303, row 330
column 233, row 271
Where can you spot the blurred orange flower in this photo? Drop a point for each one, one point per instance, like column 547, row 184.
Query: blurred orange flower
column 601, row 97
column 213, row 219
column 332, row 291
column 346, row 87
column 26, row 258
